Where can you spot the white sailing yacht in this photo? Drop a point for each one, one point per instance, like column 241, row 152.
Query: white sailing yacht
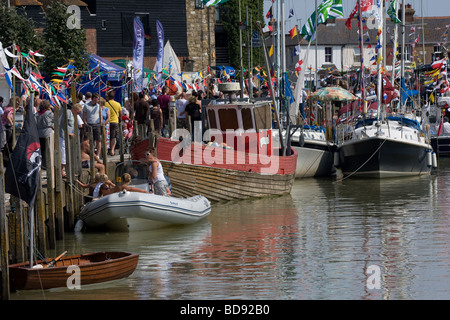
column 385, row 146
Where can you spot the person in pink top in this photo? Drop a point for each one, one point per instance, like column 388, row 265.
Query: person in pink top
column 164, row 100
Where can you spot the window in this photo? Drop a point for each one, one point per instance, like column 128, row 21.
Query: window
column 407, row 54
column 356, row 55
column 128, row 27
column 247, row 120
column 228, row 119
column 328, row 54
column 199, row 4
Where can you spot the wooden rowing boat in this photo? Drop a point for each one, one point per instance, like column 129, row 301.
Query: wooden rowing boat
column 93, row 268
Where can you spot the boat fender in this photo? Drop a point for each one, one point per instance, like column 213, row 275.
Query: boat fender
column 429, row 159
column 434, row 160
column 301, row 140
column 78, row 226
column 37, row 266
column 336, row 159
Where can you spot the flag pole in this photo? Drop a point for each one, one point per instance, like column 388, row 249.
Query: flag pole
column 31, row 206
column 402, row 77
column 316, row 81
column 361, row 51
column 379, row 62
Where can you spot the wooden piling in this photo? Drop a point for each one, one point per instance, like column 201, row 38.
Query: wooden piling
column 4, row 237
column 41, row 234
column 50, row 193
column 59, row 187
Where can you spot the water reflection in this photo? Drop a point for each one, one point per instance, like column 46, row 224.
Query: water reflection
column 315, row 243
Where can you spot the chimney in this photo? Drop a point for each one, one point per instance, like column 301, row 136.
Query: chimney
column 409, row 13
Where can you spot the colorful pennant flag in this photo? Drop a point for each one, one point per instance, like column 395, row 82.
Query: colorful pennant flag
column 269, row 14
column 293, row 32
column 326, row 10
column 210, row 3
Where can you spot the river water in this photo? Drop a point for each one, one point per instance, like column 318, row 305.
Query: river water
column 328, row 239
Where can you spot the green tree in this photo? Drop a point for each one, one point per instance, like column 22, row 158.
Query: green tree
column 230, row 20
column 17, row 28
column 62, row 44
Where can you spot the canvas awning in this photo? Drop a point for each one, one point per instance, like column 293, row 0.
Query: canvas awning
column 115, row 72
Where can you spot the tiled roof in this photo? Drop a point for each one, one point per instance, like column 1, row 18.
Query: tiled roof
column 66, row 2
column 18, row 3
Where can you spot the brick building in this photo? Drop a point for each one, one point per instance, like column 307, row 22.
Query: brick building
column 188, row 25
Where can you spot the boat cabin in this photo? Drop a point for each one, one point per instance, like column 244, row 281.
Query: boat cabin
column 242, row 124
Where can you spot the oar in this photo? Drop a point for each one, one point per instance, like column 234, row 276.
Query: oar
column 56, row 259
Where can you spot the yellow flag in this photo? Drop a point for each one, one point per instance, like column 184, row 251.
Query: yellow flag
column 379, row 59
column 271, row 51
column 431, row 98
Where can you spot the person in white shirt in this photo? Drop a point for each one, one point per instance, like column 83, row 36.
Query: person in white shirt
column 91, row 118
column 446, row 127
column 180, row 104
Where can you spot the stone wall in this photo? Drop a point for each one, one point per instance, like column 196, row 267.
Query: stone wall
column 200, row 35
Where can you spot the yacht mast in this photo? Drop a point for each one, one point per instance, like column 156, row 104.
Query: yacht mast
column 379, row 64
column 402, row 74
column 361, row 52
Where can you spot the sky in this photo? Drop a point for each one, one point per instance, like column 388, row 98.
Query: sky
column 304, row 8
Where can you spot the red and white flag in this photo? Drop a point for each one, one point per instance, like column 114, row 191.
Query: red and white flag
column 366, row 5
column 439, row 64
column 298, row 66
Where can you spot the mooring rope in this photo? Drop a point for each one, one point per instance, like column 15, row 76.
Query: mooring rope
column 348, row 176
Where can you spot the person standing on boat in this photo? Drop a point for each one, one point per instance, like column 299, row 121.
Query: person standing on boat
column 446, row 127
column 156, row 175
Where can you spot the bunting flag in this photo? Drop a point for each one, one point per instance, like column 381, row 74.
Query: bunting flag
column 298, row 66
column 291, row 13
column 296, row 51
column 269, row 14
column 210, row 3
column 271, row 51
column 267, row 29
column 328, row 9
column 293, row 32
